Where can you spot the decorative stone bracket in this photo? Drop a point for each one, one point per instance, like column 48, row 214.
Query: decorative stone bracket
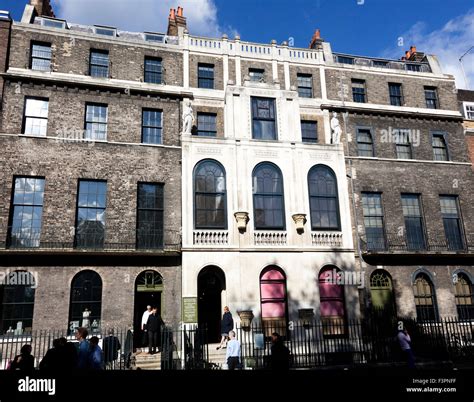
column 246, row 317
column 242, row 219
column 300, row 220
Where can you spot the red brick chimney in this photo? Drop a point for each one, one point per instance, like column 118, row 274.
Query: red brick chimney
column 413, row 55
column 316, row 40
column 43, row 7
column 176, row 22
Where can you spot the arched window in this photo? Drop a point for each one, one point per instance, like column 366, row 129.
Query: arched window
column 268, row 202
column 209, row 196
column 464, row 297
column 86, row 301
column 273, row 299
column 381, row 291
column 17, row 296
column 425, row 298
column 323, row 199
column 332, row 305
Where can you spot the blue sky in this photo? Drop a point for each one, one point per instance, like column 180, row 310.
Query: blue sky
column 365, row 27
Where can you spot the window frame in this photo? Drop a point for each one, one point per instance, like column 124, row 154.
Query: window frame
column 11, row 213
column 222, row 193
column 92, row 104
column 99, row 66
column 435, row 99
column 255, row 194
column 202, row 79
column 360, row 82
column 76, row 223
column 25, row 117
column 400, row 99
column 384, row 226
column 432, row 296
column 154, row 210
column 206, row 133
column 466, row 112
column 256, row 72
column 34, row 43
column 53, row 22
column 148, row 73
column 104, row 29
column 460, row 222
column 309, row 140
column 406, row 145
column 253, row 106
column 303, row 89
column 444, row 136
column 336, row 198
column 421, row 217
column 371, row 132
column 159, row 127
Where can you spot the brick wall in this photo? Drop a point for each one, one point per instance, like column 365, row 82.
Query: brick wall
column 218, row 63
column 71, row 54
column 295, row 70
column 377, row 88
column 67, row 112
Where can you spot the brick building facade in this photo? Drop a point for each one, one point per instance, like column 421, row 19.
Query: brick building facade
column 103, row 173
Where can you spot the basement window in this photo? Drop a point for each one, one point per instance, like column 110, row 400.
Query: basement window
column 108, row 31
column 53, row 23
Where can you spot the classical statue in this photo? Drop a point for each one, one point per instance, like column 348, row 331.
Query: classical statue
column 85, row 318
column 336, row 129
column 188, row 118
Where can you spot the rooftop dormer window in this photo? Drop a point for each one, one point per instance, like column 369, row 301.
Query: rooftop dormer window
column 53, row 23
column 108, row 31
column 153, row 37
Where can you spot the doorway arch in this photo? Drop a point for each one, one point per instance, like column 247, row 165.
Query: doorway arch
column 148, row 292
column 211, row 284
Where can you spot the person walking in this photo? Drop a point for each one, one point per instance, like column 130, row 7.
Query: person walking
column 83, row 348
column 405, row 344
column 145, row 316
column 153, row 326
column 111, row 345
column 227, row 325
column 280, row 354
column 24, row 361
column 96, row 359
column 233, row 352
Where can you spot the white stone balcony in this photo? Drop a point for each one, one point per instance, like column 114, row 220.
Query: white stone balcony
column 327, row 239
column 210, row 237
column 270, row 238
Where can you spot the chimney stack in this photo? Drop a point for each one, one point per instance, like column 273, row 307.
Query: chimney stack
column 316, row 41
column 176, row 22
column 43, row 8
column 413, row 55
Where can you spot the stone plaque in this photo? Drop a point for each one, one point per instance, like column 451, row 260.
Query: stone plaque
column 190, row 310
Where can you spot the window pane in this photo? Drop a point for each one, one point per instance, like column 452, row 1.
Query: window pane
column 153, row 71
column 210, row 196
column 365, row 143
column 90, row 230
column 207, row 124
column 150, row 216
column 27, row 211
column 309, row 131
column 206, row 76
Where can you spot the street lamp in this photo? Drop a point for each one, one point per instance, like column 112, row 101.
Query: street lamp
column 462, row 67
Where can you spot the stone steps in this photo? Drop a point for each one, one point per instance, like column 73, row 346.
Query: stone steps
column 144, row 361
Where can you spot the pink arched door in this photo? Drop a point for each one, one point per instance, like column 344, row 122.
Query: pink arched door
column 332, row 305
column 273, row 298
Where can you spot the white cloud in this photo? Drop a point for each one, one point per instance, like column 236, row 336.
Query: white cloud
column 448, row 43
column 142, row 15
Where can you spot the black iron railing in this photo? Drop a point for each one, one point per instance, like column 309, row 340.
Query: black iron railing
column 394, row 242
column 96, row 240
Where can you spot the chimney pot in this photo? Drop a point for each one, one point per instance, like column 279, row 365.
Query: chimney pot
column 413, row 49
column 172, row 14
column 180, row 11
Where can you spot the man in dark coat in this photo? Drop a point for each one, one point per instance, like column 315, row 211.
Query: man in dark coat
column 111, row 346
column 153, row 326
column 280, row 358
